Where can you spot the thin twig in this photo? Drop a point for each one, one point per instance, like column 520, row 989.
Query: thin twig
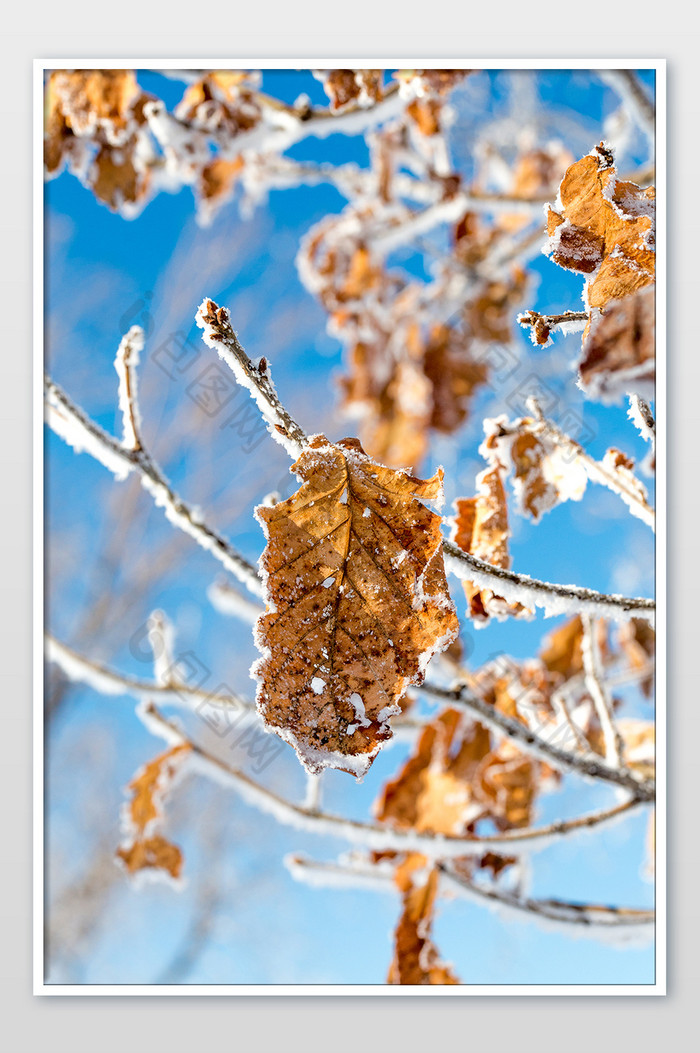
column 553, row 598
column 588, row 765
column 597, row 471
column 374, row 835
column 542, row 325
column 595, row 683
column 591, row 916
column 126, row 364
column 108, row 681
column 215, row 322
column 73, row 425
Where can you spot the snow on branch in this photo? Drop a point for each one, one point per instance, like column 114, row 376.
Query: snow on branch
column 375, row 835
column 595, row 683
column 613, row 472
column 256, row 378
column 126, row 364
column 552, row 598
column 107, row 681
column 541, row 326
column 73, row 425
column 623, row 924
column 588, row 765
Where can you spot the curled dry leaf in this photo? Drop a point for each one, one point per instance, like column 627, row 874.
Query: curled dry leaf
column 637, row 640
column 639, row 745
column 416, row 959
column 619, row 348
column 603, row 227
column 223, row 102
column 357, row 603
column 455, row 777
column 543, row 474
column 535, row 173
column 480, row 527
column 92, row 99
column 562, row 653
column 562, row 649
column 144, row 847
column 348, row 87
column 95, row 120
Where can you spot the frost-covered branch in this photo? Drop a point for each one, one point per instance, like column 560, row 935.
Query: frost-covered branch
column 594, row 920
column 173, row 692
column 552, row 598
column 627, row 85
column 83, row 435
column 588, row 765
column 255, row 377
column 450, row 210
column 619, row 480
column 107, row 681
column 126, row 365
column 595, row 683
column 640, row 414
column 73, row 425
column 374, row 835
column 555, row 599
column 543, row 325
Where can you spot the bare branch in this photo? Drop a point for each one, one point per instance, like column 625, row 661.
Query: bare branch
column 595, row 683
column 591, row 917
column 73, row 425
column 126, row 364
column 256, row 378
column 543, row 325
column 554, row 599
column 111, row 682
column 374, row 835
column 590, row 766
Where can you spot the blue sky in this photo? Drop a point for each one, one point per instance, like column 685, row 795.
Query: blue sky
column 104, row 273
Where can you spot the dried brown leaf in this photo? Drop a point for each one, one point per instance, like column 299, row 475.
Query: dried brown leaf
column 605, row 226
column 357, row 603
column 480, row 528
column 145, row 848
column 638, row 642
column 619, row 347
column 345, row 87
column 416, row 960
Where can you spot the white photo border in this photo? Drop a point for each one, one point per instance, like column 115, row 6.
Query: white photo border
column 40, row 987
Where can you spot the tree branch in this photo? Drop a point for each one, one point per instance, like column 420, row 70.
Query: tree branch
column 126, row 364
column 554, row 599
column 73, row 425
column 374, row 835
column 595, row 684
column 597, row 471
column 107, row 681
column 591, row 917
column 590, row 766
column 256, row 378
